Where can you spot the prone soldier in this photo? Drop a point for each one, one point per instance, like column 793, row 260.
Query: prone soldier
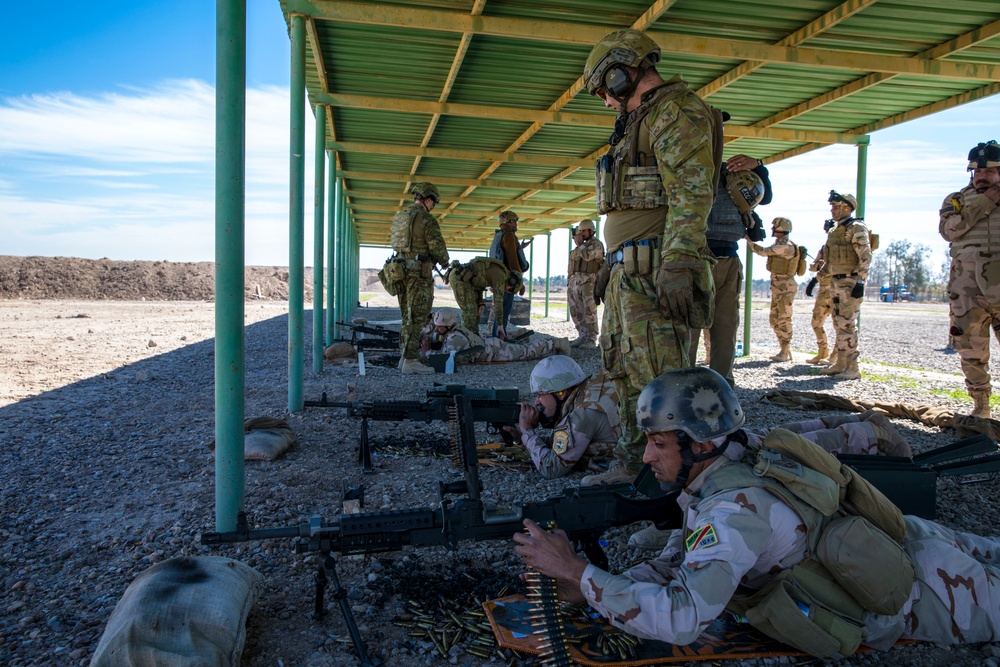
column 585, row 261
column 446, row 335
column 782, row 262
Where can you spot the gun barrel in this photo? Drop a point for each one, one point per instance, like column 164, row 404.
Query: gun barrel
column 301, row 530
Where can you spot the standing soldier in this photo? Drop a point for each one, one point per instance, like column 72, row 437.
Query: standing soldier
column 782, row 262
column 970, row 222
column 848, row 253
column 655, row 184
column 510, row 251
column 822, row 308
column 469, row 283
column 416, row 239
column 584, row 263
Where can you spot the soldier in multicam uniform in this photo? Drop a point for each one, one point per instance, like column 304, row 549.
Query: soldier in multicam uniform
column 848, row 254
column 970, row 222
column 416, row 239
column 745, row 534
column 506, row 248
column 656, row 186
column 782, row 262
column 581, row 410
column 447, row 336
column 470, row 281
column 584, row 262
column 822, row 307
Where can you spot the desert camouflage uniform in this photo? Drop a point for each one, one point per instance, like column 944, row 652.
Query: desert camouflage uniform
column 673, row 130
column 416, row 296
column 495, row 351
column 674, row 597
column 971, row 223
column 869, row 433
column 823, row 306
column 584, row 262
column 782, row 260
column 850, row 234
column 470, row 281
column 588, row 426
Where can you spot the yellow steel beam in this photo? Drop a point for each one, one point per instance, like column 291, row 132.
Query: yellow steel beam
column 942, row 105
column 553, row 31
column 484, row 201
column 365, row 209
column 459, row 154
column 449, row 180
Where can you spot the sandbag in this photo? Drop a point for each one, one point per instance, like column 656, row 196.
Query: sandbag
column 183, row 612
column 266, row 438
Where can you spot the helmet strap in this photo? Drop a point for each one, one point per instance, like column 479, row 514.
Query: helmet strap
column 689, row 458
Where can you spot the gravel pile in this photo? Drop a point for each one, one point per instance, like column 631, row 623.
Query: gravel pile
column 109, row 473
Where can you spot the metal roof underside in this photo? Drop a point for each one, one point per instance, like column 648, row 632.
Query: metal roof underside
column 485, row 98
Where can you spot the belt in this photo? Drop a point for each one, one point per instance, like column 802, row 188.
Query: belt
column 419, row 258
column 618, row 256
column 841, row 276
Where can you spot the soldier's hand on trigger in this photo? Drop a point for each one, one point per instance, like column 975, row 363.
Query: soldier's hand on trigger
column 514, row 433
column 528, row 418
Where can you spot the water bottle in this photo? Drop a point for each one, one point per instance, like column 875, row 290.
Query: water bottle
column 361, row 363
column 449, row 365
column 739, row 348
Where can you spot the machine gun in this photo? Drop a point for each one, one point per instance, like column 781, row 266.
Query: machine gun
column 496, row 407
column 584, row 513
column 374, row 337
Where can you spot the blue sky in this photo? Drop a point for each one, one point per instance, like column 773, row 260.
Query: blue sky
column 107, row 142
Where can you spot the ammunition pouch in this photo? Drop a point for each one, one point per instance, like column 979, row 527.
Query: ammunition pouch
column 639, row 257
column 392, row 275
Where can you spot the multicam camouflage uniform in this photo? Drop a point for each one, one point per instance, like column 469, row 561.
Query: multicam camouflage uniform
column 651, row 222
column 823, row 306
column 416, row 295
column 744, row 536
column 848, row 254
column 971, row 223
column 782, row 260
column 470, row 281
column 588, row 426
column 495, row 351
column 584, row 262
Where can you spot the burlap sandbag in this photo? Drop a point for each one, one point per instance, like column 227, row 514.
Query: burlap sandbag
column 266, row 438
column 183, row 612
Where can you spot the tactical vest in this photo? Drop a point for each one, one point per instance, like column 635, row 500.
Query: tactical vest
column 408, row 235
column 597, row 393
column 460, row 338
column 784, row 266
column 496, row 250
column 724, row 220
column 841, row 257
column 982, row 239
column 577, row 264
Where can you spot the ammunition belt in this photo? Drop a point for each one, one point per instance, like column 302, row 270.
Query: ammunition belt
column 618, row 256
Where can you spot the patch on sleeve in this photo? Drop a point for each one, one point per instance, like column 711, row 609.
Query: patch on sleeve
column 560, row 442
column 701, row 538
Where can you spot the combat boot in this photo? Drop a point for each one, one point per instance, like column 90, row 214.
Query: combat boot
column 838, row 367
column 821, row 356
column 784, row 354
column 588, row 345
column 561, row 346
column 981, row 401
column 850, row 371
column 578, row 342
column 615, row 474
column 413, row 366
column 651, row 538
column 888, row 439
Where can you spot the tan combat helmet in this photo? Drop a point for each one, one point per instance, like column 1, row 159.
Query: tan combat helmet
column 781, row 225
column 586, row 225
column 425, row 190
column 556, row 373
column 746, row 189
column 986, row 154
column 605, row 67
column 850, row 200
column 445, row 318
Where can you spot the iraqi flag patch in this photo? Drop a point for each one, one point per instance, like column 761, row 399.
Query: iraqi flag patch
column 701, row 538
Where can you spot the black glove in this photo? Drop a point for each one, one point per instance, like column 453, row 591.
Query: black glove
column 755, row 230
column 811, row 285
column 858, row 290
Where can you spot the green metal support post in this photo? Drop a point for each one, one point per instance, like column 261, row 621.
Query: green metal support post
column 230, row 240
column 747, row 303
column 548, row 268
column 319, row 201
column 531, row 268
column 330, row 247
column 296, row 214
column 862, row 183
column 567, row 273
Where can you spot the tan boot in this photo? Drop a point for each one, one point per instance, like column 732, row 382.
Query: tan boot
column 838, row 367
column 850, row 371
column 981, row 403
column 578, row 342
column 784, row 354
column 561, row 346
column 821, row 356
column 651, row 538
column 615, row 474
column 888, row 439
column 413, row 366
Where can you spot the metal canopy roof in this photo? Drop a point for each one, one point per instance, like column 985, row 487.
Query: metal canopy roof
column 485, row 98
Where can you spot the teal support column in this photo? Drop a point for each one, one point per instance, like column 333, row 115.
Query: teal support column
column 330, row 247
column 548, row 268
column 531, row 268
column 567, row 274
column 230, row 240
column 296, row 214
column 319, row 200
column 862, row 184
column 747, row 302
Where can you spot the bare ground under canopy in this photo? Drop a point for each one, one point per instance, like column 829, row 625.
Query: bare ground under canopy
column 106, row 410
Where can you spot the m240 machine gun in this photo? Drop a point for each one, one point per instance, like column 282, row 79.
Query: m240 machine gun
column 373, row 337
column 496, row 407
column 584, row 513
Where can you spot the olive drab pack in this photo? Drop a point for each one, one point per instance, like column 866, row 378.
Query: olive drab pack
column 800, row 270
column 402, row 229
column 392, row 275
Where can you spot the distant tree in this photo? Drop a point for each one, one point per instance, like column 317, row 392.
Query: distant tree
column 902, row 263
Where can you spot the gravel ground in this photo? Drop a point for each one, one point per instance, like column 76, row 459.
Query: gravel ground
column 106, row 409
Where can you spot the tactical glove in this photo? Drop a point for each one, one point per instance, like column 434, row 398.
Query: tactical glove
column 858, row 290
column 675, row 289
column 601, row 283
column 811, row 285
